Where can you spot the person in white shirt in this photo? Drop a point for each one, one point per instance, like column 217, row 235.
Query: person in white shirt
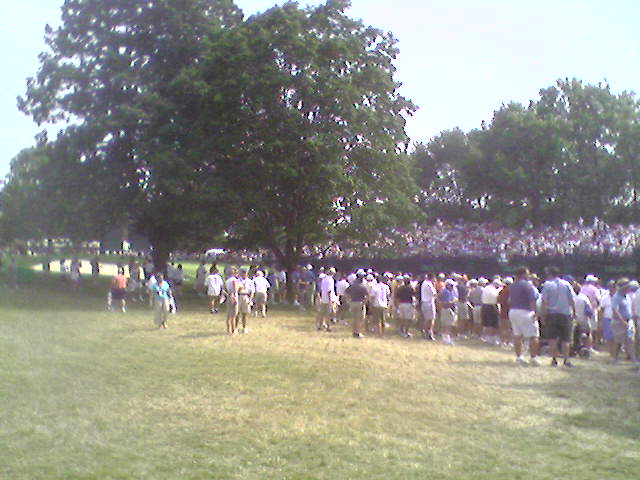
column 213, row 284
column 262, row 288
column 585, row 318
column 428, row 306
column 232, row 285
column 379, row 295
column 327, row 301
column 246, row 291
column 171, row 274
column 490, row 311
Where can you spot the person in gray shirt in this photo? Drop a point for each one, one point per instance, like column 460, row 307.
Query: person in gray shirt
column 558, row 312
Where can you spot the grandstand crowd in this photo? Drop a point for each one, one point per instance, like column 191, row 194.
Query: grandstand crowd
column 491, row 240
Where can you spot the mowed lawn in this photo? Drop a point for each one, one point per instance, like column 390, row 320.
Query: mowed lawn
column 89, row 394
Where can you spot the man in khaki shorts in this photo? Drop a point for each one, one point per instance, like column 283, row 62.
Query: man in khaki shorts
column 448, row 316
column 327, row 300
column 358, row 295
column 262, row 286
column 232, row 285
column 246, row 290
column 404, row 299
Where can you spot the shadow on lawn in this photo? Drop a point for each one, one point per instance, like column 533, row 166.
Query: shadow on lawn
column 588, row 387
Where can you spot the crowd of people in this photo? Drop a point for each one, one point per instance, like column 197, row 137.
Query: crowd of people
column 525, row 313
column 565, row 316
column 491, row 240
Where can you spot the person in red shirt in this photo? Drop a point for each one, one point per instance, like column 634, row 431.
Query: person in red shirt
column 118, row 290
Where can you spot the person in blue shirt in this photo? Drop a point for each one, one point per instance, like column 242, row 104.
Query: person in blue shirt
column 448, row 316
column 522, row 315
column 558, row 312
column 161, row 295
column 622, row 325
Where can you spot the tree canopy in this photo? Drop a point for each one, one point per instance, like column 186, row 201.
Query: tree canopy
column 571, row 154
column 282, row 130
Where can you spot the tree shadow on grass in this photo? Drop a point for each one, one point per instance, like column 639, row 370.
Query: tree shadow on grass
column 600, row 398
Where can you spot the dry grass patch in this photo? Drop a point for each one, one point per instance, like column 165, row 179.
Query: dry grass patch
column 91, row 394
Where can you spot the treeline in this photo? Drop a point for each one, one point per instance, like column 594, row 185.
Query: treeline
column 573, row 153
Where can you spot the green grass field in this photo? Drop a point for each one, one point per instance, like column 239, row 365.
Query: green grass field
column 89, row 394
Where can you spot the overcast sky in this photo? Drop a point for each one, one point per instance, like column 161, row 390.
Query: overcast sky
column 459, row 60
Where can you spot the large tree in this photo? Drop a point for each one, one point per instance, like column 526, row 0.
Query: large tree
column 108, row 71
column 521, row 158
column 298, row 128
column 594, row 122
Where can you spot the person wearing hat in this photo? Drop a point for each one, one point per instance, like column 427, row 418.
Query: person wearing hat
column 448, row 298
column 558, row 312
column 428, row 306
column 379, row 295
column 592, row 292
column 490, row 312
column 326, row 301
column 232, row 285
column 307, row 286
column 622, row 325
column 246, row 291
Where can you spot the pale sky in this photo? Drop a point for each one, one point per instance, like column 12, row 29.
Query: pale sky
column 459, row 60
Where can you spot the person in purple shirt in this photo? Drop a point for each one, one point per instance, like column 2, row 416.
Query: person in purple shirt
column 522, row 315
column 448, row 316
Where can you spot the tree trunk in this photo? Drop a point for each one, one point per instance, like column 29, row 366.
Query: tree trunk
column 160, row 255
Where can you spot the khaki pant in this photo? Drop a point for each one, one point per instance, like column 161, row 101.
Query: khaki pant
column 359, row 312
column 161, row 310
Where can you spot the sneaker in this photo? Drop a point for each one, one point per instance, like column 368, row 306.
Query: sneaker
column 568, row 364
column 357, row 335
column 245, row 330
column 554, row 362
column 521, row 360
column 534, row 362
column 409, row 335
column 429, row 337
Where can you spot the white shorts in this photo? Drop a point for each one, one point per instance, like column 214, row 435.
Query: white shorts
column 428, row 310
column 524, row 323
column 406, row 311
